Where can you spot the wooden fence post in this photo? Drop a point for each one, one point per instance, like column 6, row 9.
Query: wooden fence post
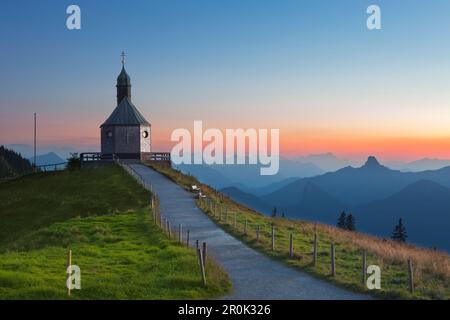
column 196, row 244
column 168, row 229
column 180, row 233
column 364, row 267
column 411, row 276
column 202, row 266
column 204, row 254
column 187, row 237
column 154, row 214
column 245, row 227
column 235, row 221
column 291, row 245
column 315, row 249
column 159, row 214
column 333, row 260
column 273, row 238
column 69, row 273
column 257, row 233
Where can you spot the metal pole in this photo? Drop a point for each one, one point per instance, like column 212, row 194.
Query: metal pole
column 34, row 160
column 187, row 237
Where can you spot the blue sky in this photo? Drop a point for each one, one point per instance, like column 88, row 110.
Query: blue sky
column 309, row 67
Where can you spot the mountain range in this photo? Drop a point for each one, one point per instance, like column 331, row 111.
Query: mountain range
column 64, row 152
column 327, row 161
column 248, row 179
column 248, row 176
column 376, row 195
column 419, row 165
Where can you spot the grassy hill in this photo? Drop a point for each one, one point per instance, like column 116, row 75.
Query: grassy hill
column 431, row 268
column 103, row 217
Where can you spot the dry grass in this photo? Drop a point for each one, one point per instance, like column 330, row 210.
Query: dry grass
column 391, row 252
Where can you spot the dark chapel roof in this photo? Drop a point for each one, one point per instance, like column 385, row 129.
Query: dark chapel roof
column 125, row 114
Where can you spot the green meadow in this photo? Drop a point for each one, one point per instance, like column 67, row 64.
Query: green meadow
column 103, row 216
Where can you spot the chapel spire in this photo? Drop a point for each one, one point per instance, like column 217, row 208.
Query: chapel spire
column 123, row 83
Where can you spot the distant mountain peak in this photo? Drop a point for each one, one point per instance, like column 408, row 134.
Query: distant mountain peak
column 325, row 154
column 47, row 159
column 372, row 162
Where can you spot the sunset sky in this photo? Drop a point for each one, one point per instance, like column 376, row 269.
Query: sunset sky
column 310, row 68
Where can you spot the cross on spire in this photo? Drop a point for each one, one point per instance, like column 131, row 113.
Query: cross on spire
column 123, row 58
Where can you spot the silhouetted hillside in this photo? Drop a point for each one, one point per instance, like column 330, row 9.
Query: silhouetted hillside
column 12, row 163
column 314, row 204
column 247, row 199
column 424, row 207
column 272, row 187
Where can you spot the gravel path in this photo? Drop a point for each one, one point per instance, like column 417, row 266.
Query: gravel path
column 254, row 276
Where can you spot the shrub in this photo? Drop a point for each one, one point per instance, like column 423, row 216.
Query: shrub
column 74, row 162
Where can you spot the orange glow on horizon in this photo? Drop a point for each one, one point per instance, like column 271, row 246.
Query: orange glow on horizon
column 359, row 144
column 350, row 145
column 293, row 142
